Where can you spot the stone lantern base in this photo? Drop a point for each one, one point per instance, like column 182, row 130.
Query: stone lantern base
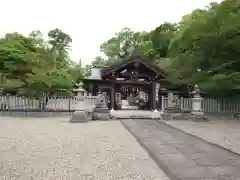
column 198, row 116
column 173, row 112
column 79, row 115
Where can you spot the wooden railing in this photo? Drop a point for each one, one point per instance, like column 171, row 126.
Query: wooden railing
column 208, row 105
column 67, row 104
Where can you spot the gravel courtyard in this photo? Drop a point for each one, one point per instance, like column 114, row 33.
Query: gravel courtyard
column 53, row 149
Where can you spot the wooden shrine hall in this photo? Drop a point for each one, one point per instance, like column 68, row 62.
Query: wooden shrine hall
column 133, row 83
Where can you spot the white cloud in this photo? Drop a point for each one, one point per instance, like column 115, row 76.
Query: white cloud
column 90, row 22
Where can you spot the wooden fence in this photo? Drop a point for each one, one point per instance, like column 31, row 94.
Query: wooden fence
column 67, row 104
column 50, row 104
column 208, row 105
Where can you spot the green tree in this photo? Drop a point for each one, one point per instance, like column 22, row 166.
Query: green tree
column 30, row 65
column 208, row 40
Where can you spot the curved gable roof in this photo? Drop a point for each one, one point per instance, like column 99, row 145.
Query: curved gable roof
column 134, row 57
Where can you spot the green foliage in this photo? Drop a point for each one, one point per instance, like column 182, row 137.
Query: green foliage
column 209, row 40
column 32, row 66
column 203, row 48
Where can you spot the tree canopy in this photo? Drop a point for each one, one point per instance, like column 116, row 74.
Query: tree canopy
column 203, row 48
column 30, row 65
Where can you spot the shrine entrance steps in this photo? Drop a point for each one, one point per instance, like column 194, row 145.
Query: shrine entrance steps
column 183, row 156
column 135, row 114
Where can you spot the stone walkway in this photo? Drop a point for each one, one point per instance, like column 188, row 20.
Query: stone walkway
column 183, row 156
column 225, row 133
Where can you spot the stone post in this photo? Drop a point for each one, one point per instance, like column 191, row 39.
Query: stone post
column 197, row 112
column 79, row 115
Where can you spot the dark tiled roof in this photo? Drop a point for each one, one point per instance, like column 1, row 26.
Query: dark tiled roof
column 136, row 54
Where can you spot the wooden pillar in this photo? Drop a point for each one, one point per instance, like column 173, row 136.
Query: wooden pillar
column 113, row 78
column 112, row 99
column 149, row 90
column 91, row 89
column 94, row 92
column 153, row 95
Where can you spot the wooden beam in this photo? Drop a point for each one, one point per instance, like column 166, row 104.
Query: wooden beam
column 153, row 96
column 103, row 82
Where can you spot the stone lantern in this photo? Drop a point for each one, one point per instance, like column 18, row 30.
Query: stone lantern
column 79, row 115
column 197, row 100
column 79, row 91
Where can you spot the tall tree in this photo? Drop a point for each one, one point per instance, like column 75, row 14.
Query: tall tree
column 30, row 65
column 120, row 46
column 209, row 40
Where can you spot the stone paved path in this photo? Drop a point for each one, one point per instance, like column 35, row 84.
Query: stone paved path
column 183, row 156
column 225, row 133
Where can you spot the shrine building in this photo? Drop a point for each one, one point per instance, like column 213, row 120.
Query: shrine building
column 133, row 83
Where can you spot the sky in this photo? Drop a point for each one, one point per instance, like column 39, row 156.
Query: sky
column 91, row 22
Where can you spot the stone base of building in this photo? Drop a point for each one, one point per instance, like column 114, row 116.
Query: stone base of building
column 101, row 114
column 135, row 114
column 79, row 117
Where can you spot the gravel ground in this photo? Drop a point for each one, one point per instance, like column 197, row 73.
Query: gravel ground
column 225, row 133
column 53, row 149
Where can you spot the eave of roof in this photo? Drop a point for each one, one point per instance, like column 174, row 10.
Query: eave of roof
column 135, row 55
